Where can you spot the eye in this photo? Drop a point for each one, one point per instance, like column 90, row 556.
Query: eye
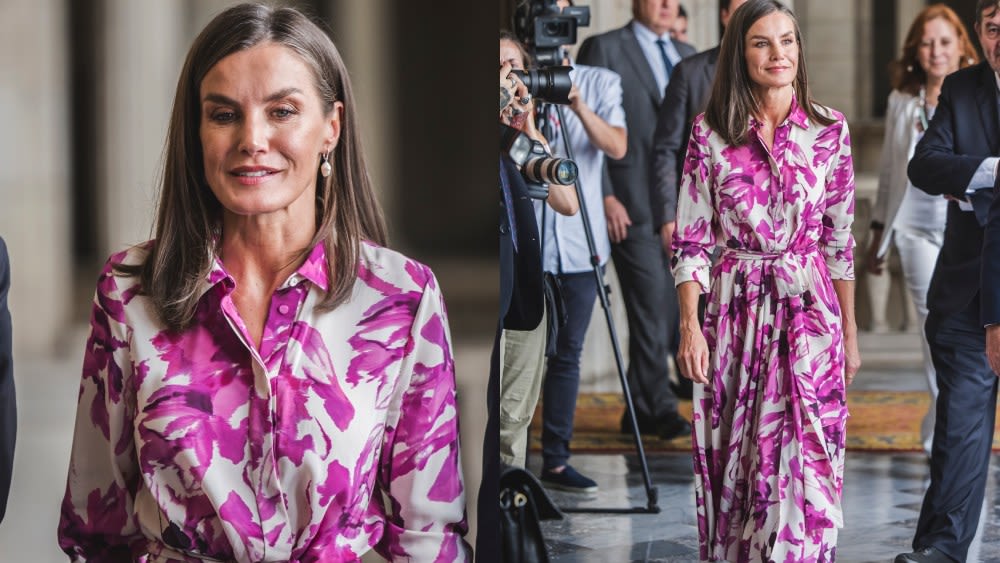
column 223, row 116
column 760, row 44
column 283, row 112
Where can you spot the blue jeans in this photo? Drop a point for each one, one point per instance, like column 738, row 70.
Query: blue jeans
column 562, row 375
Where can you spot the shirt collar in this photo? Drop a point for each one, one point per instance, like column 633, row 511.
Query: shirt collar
column 312, row 269
column 797, row 115
column 646, row 34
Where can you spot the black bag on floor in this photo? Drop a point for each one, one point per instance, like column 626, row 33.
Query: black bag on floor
column 523, row 504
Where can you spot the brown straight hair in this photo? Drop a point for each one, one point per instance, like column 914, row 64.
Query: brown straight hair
column 731, row 103
column 189, row 216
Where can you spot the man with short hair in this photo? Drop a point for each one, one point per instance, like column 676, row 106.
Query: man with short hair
column 644, row 56
column 955, row 158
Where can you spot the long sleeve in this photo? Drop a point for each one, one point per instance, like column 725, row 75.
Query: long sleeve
column 420, row 462
column 694, row 237
column 990, row 275
column 668, row 146
column 937, row 166
column 97, row 521
column 8, row 406
column 835, row 238
column 894, row 121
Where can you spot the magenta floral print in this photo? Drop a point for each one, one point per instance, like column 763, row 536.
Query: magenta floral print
column 201, row 446
column 769, row 430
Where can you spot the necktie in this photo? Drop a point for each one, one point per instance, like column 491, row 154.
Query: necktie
column 666, row 60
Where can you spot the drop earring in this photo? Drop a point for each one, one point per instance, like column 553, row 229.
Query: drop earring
column 326, row 168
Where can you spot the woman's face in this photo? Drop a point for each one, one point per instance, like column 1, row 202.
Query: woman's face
column 772, row 52
column 511, row 54
column 939, row 51
column 262, row 131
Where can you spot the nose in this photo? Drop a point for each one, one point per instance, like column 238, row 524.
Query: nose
column 253, row 135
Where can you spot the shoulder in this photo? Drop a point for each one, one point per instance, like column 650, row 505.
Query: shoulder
column 900, row 101
column 596, row 74
column 830, row 113
column 684, row 49
column 131, row 256
column 704, row 58
column 381, row 265
column 968, row 75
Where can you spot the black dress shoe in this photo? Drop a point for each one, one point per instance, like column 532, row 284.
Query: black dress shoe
column 672, row 425
column 645, row 426
column 924, row 555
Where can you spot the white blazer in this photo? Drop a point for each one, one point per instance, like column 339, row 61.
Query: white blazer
column 901, row 135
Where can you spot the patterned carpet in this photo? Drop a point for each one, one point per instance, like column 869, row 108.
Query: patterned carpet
column 879, row 421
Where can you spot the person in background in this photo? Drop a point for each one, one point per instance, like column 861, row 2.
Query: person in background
column 768, row 175
column 523, row 348
column 686, row 96
column 679, row 31
column 8, row 405
column 595, row 128
column 644, row 56
column 913, row 221
column 957, row 158
column 266, row 380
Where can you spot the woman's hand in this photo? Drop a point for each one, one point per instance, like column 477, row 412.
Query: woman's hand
column 852, row 357
column 873, row 261
column 692, row 354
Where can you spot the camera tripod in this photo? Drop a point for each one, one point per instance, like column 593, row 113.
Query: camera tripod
column 602, row 291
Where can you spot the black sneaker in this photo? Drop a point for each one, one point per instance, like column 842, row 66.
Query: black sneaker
column 568, row 480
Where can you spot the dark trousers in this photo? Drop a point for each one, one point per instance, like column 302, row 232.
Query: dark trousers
column 488, row 505
column 963, row 432
column 562, row 373
column 650, row 301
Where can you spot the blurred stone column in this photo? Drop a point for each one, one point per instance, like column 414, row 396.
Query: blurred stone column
column 142, row 56
column 34, row 165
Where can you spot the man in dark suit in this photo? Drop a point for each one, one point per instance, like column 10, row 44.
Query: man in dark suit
column 643, row 54
column 686, row 96
column 8, row 412
column 955, row 159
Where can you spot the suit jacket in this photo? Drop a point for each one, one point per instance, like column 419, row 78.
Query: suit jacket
column 8, row 411
column 522, row 298
column 630, row 179
column 686, row 96
column 963, row 132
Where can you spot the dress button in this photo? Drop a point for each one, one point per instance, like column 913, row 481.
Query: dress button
column 283, row 309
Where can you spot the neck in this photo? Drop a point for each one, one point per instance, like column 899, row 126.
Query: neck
column 773, row 104
column 260, row 252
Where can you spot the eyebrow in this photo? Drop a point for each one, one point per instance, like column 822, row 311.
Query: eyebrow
column 219, row 98
column 785, row 34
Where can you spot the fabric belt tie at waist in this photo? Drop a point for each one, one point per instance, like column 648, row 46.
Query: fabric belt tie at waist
column 790, row 278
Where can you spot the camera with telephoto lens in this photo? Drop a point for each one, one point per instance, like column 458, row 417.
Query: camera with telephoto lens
column 538, row 168
column 545, row 30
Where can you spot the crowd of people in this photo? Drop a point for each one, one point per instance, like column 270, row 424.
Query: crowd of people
column 729, row 219
column 266, row 380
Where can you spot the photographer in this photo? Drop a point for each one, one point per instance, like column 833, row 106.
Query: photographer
column 594, row 128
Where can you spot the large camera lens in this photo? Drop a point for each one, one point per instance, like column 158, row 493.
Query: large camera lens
column 551, row 84
column 550, row 170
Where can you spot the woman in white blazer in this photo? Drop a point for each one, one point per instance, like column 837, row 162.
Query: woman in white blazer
column 936, row 45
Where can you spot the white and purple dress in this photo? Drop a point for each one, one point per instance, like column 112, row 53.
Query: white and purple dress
column 769, row 429
column 201, row 446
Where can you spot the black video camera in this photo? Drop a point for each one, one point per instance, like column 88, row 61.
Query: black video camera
column 544, row 28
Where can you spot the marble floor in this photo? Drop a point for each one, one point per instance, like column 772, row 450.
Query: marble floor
column 882, row 492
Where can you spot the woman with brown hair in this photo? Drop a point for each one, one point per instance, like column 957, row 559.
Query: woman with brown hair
column 936, row 45
column 265, row 381
column 768, row 177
